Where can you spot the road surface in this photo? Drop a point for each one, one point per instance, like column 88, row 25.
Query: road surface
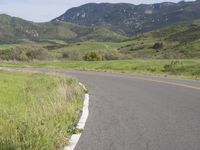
column 135, row 112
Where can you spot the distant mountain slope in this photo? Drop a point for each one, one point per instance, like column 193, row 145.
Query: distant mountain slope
column 13, row 29
column 132, row 19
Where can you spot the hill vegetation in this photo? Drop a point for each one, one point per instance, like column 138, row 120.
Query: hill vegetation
column 13, row 30
column 178, row 41
column 23, row 40
column 132, row 19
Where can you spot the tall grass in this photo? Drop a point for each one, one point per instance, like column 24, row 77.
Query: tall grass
column 184, row 68
column 38, row 111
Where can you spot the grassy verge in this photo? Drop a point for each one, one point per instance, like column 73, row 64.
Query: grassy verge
column 37, row 111
column 188, row 68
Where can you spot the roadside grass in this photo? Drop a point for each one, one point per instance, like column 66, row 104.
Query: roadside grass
column 38, row 111
column 181, row 68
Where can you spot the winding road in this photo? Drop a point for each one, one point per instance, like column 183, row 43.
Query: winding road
column 135, row 112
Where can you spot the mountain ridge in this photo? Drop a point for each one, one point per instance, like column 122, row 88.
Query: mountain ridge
column 132, row 19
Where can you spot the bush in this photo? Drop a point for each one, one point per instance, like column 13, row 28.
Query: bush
column 5, row 54
column 72, row 55
column 93, row 56
column 39, row 53
column 19, row 54
column 171, row 67
column 110, row 55
column 24, row 54
column 158, row 46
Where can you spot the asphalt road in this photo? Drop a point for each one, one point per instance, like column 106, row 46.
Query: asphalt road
column 133, row 112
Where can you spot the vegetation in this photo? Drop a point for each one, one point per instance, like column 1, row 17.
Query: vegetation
column 178, row 68
column 37, row 111
column 40, row 111
column 93, row 56
column 64, row 42
column 14, row 30
column 132, row 19
column 175, row 42
column 24, row 54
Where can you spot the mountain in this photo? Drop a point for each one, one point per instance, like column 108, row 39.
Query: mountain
column 132, row 19
column 13, row 29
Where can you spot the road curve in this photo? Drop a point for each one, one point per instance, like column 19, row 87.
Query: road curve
column 135, row 112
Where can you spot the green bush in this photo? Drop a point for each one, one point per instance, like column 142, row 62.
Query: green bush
column 24, row 54
column 93, row 56
column 72, row 55
column 158, row 46
column 5, row 54
column 110, row 55
column 39, row 53
column 171, row 67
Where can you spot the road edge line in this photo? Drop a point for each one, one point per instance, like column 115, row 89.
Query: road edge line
column 82, row 121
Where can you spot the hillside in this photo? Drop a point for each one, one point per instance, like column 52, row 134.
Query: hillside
column 177, row 41
column 174, row 42
column 132, row 19
column 13, row 29
column 24, row 40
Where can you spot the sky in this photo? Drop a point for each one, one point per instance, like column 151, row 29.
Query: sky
column 46, row 10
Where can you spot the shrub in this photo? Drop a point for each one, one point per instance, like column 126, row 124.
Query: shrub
column 39, row 53
column 5, row 54
column 24, row 54
column 110, row 55
column 158, row 46
column 93, row 56
column 171, row 67
column 72, row 55
column 19, row 54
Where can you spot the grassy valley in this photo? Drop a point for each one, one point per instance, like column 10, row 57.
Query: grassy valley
column 27, row 41
column 171, row 51
column 167, row 45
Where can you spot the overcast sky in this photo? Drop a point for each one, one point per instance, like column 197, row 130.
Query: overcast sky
column 45, row 10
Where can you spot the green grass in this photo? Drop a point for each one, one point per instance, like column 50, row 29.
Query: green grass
column 37, row 111
column 184, row 68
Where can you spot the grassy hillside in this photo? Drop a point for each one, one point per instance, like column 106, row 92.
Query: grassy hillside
column 179, row 41
column 59, row 40
column 14, row 29
column 37, row 111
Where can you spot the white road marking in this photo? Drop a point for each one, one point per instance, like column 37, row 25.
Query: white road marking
column 81, row 124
